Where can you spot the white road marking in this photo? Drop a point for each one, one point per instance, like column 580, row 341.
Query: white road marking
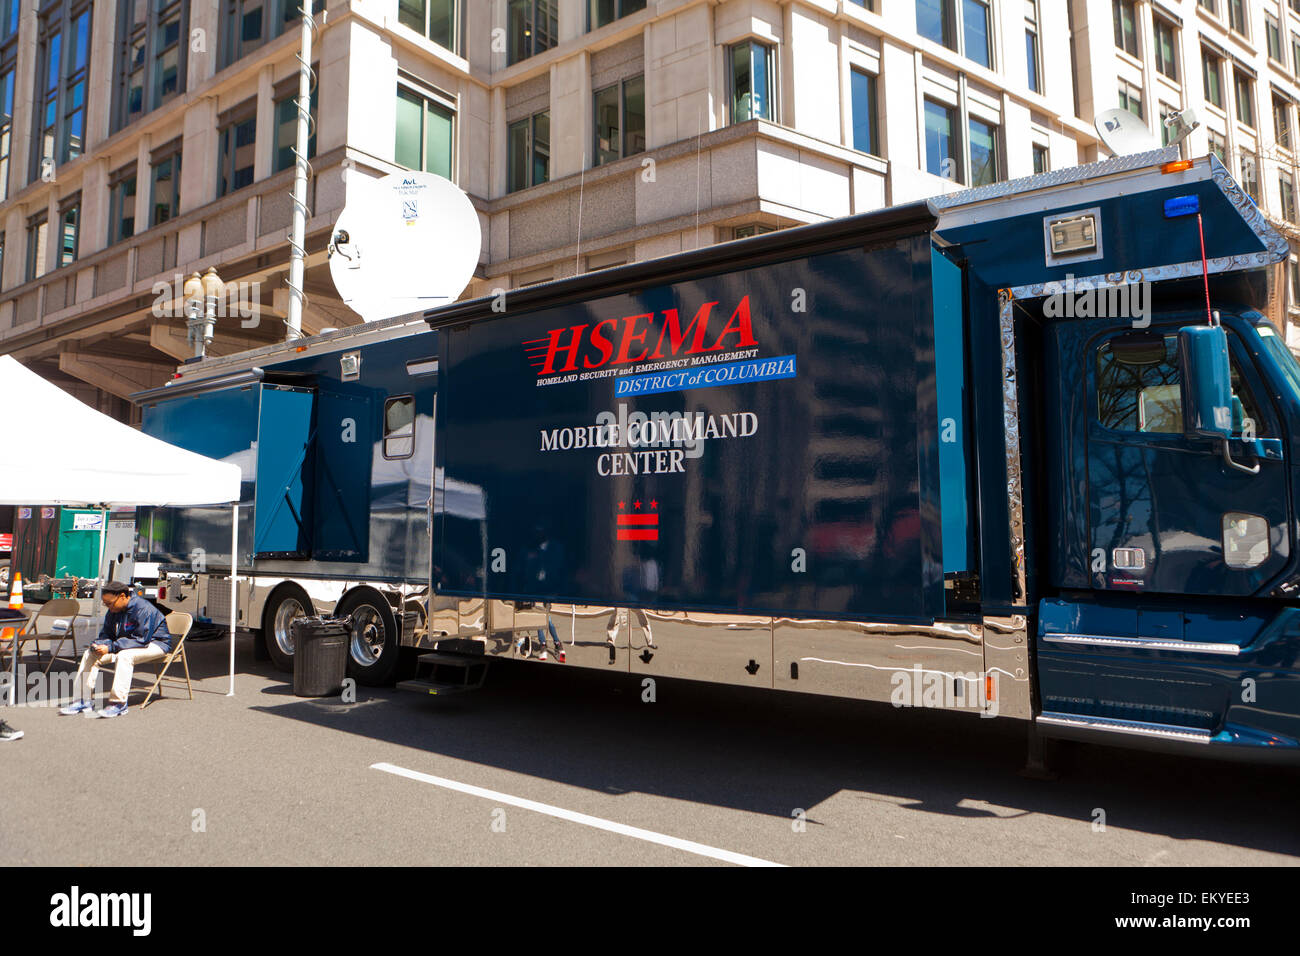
column 635, row 832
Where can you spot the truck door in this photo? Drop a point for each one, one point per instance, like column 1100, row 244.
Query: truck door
column 1166, row 513
column 283, row 520
column 344, row 449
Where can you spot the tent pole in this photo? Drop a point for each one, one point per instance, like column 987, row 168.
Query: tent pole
column 99, row 581
column 234, row 567
column 97, row 604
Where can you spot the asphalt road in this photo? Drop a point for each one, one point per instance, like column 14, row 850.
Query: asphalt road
column 552, row 765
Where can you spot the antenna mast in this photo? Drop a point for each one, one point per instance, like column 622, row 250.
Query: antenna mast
column 298, row 236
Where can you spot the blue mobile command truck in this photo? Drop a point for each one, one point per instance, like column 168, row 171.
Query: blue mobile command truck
column 1028, row 450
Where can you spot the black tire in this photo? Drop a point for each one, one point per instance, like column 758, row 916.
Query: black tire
column 374, row 649
column 275, row 625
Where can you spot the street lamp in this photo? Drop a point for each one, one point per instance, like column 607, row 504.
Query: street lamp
column 194, row 313
column 201, row 298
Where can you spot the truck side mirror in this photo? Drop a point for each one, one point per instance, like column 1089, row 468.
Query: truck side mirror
column 1207, row 387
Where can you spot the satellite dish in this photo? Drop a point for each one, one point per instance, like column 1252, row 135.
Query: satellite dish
column 403, row 243
column 1124, row 134
column 1180, row 125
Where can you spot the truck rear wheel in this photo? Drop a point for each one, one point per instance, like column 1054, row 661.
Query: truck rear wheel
column 287, row 602
column 375, row 642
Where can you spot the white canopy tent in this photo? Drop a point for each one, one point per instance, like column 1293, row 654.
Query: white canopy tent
column 111, row 464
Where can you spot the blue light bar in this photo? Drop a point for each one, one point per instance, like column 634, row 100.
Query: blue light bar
column 1182, row 206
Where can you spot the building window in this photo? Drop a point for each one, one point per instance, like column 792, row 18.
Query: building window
column 1244, row 90
column 1166, row 58
column 941, row 145
column 64, row 54
column 165, row 184
column 975, row 30
column 69, row 228
column 121, row 204
column 866, row 138
column 1273, row 35
column 1237, row 16
column 151, row 65
column 983, row 153
column 531, row 27
column 1286, row 190
column 37, row 235
column 1210, row 5
column 751, row 82
column 1212, row 69
column 2, row 260
column 1250, row 176
column 750, row 230
column 528, row 148
column 1040, row 159
column 944, row 21
column 1126, row 37
column 1295, row 53
column 435, row 19
column 936, row 20
column 251, row 24
column 246, row 29
column 1130, row 98
column 6, row 128
column 236, row 150
column 601, row 12
column 620, row 120
column 286, row 125
column 1282, row 122
column 9, row 10
column 424, row 133
column 1033, row 60
column 1218, row 146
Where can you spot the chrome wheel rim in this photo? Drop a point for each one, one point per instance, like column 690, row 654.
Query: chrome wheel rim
column 289, row 609
column 367, row 635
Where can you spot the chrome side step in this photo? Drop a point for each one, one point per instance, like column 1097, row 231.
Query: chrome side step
column 1148, row 643
column 442, row 674
column 1115, row 725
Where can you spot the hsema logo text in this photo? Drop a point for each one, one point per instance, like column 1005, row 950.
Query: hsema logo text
column 594, row 345
column 102, row 909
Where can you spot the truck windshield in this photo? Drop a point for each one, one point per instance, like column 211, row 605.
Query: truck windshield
column 1276, row 347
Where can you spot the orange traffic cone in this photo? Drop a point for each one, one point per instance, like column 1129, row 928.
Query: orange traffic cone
column 15, row 604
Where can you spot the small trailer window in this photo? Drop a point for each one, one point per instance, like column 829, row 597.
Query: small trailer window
column 1245, row 540
column 399, row 427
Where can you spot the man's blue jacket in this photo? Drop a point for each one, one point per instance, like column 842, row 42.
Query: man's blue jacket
column 140, row 625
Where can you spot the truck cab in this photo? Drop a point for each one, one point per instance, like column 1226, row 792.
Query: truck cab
column 1156, row 410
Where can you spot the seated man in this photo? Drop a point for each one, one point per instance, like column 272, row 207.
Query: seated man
column 134, row 632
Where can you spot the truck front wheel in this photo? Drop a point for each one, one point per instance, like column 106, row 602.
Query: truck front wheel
column 374, row 648
column 287, row 602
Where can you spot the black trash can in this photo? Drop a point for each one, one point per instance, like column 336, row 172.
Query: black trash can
column 320, row 655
